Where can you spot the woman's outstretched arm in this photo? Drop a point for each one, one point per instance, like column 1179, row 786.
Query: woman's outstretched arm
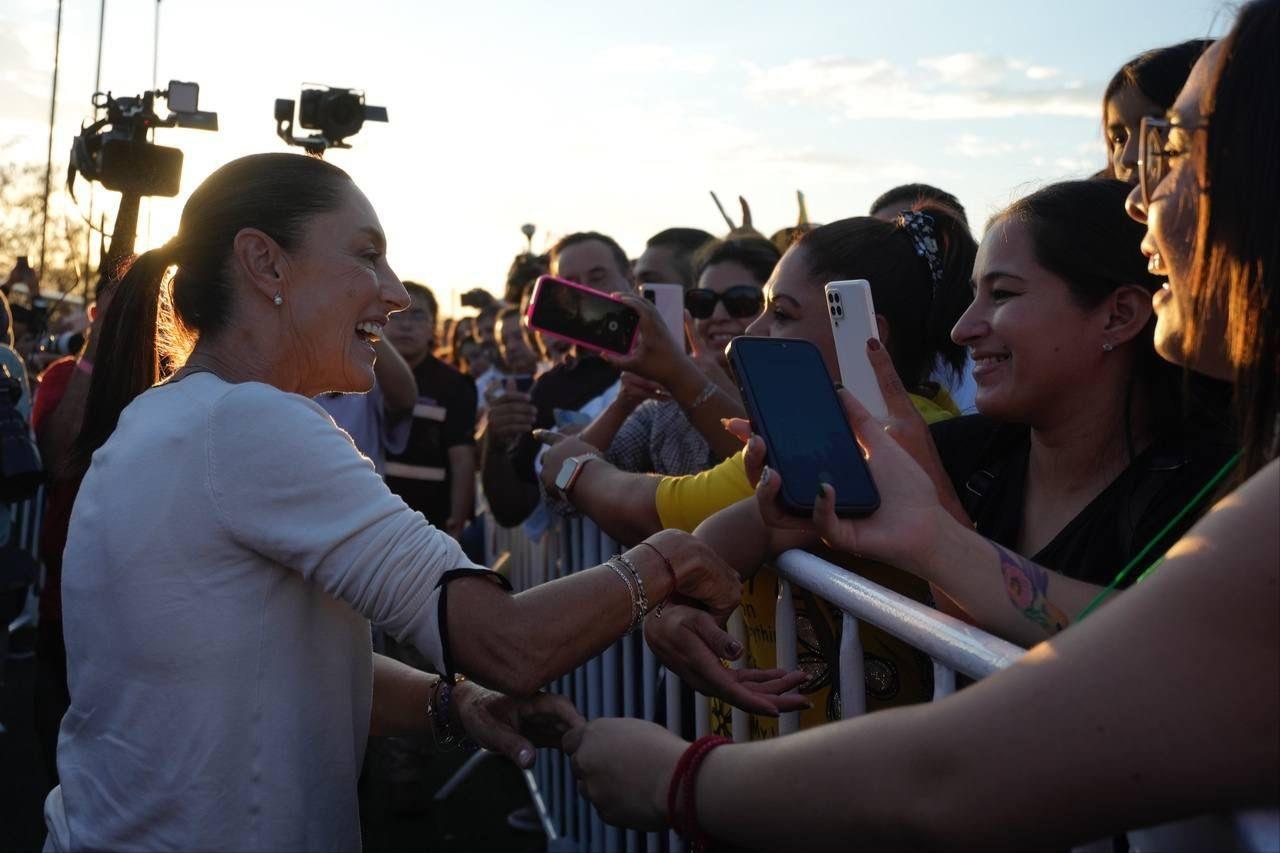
column 1108, row 726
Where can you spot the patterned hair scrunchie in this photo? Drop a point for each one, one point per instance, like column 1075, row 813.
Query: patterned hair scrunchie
column 919, row 227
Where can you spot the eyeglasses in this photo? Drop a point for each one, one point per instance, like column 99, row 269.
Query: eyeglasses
column 1153, row 153
column 741, row 300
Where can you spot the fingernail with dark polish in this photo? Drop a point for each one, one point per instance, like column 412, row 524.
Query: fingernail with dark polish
column 873, row 345
column 733, row 648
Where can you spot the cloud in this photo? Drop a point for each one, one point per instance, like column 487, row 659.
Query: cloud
column 974, row 146
column 954, row 86
column 645, row 58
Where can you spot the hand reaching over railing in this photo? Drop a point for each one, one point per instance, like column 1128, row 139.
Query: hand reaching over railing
column 692, row 645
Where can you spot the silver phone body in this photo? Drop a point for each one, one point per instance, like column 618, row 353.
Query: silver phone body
column 853, row 321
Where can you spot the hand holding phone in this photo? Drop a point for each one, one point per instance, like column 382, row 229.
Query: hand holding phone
column 584, row 317
column 793, row 406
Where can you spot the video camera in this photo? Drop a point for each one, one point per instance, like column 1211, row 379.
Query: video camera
column 114, row 150
column 336, row 113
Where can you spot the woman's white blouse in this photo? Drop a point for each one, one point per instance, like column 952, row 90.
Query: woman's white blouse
column 227, row 551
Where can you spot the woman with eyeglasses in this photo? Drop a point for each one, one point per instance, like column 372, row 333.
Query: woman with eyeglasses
column 1164, row 704
column 645, row 430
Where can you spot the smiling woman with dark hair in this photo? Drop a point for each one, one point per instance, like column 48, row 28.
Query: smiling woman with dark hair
column 229, row 548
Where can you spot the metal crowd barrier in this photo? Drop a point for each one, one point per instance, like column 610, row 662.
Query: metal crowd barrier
column 625, row 679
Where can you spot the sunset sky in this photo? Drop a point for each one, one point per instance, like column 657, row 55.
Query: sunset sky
column 608, row 116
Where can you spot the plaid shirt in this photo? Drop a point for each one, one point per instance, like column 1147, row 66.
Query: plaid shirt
column 658, row 439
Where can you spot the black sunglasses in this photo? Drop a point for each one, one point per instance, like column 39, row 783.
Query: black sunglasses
column 741, row 300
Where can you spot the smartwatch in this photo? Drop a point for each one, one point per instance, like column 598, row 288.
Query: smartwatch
column 570, row 470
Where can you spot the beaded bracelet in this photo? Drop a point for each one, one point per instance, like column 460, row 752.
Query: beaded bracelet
column 657, row 611
column 443, row 733
column 642, row 599
column 682, row 811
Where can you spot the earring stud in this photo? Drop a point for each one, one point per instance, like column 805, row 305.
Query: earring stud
column 278, row 300
column 1105, row 347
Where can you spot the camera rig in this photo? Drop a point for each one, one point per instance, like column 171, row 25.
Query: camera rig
column 114, row 149
column 336, row 113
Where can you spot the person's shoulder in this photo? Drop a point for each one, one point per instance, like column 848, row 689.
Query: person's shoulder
column 60, row 371
column 968, row 442
column 254, row 403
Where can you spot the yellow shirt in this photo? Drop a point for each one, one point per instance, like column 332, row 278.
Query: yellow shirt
column 896, row 673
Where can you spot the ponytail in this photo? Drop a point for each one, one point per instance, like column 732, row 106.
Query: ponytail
column 952, row 292
column 128, row 353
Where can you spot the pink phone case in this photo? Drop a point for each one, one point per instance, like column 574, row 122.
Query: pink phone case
column 537, row 291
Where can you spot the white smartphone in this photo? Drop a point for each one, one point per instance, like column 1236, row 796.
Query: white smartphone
column 853, row 322
column 670, row 301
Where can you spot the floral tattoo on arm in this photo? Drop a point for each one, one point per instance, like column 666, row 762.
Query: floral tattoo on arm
column 1027, row 586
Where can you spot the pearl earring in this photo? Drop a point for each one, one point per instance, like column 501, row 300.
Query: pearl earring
column 1105, row 347
column 278, row 300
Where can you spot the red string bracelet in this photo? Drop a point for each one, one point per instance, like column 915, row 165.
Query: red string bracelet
column 683, row 810
column 657, row 612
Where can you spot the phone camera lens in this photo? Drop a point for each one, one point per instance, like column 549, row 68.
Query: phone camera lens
column 613, row 325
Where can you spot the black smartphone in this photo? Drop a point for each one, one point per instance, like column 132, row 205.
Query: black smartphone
column 793, row 406
column 582, row 316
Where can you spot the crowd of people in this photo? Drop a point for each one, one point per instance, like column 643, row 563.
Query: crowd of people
column 268, row 471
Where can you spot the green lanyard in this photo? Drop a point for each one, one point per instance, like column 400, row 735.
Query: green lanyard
column 1142, row 555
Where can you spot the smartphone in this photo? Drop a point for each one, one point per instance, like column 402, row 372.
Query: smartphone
column 669, row 299
column 853, row 323
column 792, row 404
column 582, row 316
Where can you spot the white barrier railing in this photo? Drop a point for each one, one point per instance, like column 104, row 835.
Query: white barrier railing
column 624, row 680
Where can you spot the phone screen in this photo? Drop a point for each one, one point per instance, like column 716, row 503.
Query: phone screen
column 582, row 316
column 794, row 407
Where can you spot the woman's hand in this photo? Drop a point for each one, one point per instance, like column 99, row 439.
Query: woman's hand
column 635, row 390
column 624, row 767
column 701, row 575
column 560, row 448
column 690, row 643
column 903, row 531
column 656, row 356
column 514, row 727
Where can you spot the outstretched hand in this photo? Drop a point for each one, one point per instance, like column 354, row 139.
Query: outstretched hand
column 690, row 644
column 514, row 726
column 624, row 767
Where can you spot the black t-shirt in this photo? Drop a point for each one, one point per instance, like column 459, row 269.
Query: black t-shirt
column 568, row 386
column 987, row 463
column 444, row 417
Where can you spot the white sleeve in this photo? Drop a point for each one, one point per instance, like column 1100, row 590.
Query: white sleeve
column 290, row 486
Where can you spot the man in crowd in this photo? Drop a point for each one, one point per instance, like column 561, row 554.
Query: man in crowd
column 582, row 383
column 435, row 472
column 668, row 256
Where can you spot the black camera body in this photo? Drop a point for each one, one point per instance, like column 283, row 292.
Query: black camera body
column 114, row 149
column 336, row 113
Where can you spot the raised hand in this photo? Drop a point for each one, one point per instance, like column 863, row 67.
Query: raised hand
column 690, row 644
column 656, row 356
column 511, row 414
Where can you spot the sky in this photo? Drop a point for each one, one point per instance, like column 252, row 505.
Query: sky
column 612, row 117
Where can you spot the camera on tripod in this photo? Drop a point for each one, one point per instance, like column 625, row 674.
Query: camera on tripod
column 336, row 113
column 114, row 149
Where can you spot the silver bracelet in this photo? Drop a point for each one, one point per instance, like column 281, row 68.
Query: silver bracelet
column 643, row 598
column 707, row 393
column 637, row 615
